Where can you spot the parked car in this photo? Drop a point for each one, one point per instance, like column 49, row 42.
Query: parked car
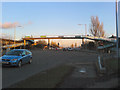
column 76, row 49
column 57, row 48
column 52, row 48
column 17, row 57
column 70, row 49
column 64, row 49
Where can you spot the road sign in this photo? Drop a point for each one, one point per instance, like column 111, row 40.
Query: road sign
column 43, row 36
column 27, row 36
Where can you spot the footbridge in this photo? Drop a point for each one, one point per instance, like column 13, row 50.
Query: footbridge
column 109, row 40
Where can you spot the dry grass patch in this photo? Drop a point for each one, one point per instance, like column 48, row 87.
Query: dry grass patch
column 46, row 79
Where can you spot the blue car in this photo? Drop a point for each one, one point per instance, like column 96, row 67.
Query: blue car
column 17, row 57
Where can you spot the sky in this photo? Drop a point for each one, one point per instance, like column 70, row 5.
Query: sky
column 56, row 18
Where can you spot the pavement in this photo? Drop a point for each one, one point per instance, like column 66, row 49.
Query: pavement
column 44, row 60
column 112, row 83
column 84, row 76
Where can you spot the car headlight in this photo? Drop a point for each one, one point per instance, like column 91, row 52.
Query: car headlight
column 13, row 59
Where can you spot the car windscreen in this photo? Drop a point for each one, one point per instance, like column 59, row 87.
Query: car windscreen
column 14, row 52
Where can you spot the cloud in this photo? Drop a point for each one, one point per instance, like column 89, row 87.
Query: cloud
column 8, row 25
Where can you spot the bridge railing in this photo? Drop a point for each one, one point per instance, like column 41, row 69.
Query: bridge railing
column 16, row 45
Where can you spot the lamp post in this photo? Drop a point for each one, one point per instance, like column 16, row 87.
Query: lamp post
column 117, row 29
column 85, row 28
column 15, row 34
column 85, row 33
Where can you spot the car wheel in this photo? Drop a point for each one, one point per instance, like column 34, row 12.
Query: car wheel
column 30, row 61
column 20, row 64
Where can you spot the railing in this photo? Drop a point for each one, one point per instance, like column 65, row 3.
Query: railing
column 101, row 38
column 75, row 37
column 106, row 46
column 16, row 45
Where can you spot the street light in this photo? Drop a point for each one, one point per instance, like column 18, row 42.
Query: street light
column 15, row 34
column 85, row 28
column 85, row 32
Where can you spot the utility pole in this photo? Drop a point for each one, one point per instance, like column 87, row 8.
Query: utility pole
column 117, row 29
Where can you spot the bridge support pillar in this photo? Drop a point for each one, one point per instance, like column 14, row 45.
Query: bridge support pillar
column 83, row 41
column 24, row 43
column 6, row 42
column 48, row 43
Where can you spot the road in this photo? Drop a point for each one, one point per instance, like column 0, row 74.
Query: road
column 43, row 60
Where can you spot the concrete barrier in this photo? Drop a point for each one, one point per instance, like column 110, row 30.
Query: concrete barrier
column 102, row 68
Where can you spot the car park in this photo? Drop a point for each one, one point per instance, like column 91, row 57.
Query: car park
column 17, row 57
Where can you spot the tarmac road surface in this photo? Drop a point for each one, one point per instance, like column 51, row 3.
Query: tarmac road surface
column 43, row 60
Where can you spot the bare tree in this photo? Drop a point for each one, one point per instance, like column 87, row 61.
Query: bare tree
column 96, row 28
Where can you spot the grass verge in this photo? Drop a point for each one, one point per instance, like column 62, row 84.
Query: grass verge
column 47, row 79
column 112, row 64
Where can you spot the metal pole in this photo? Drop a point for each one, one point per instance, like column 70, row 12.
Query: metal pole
column 14, row 36
column 117, row 29
column 85, row 33
column 85, row 39
column 86, row 29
